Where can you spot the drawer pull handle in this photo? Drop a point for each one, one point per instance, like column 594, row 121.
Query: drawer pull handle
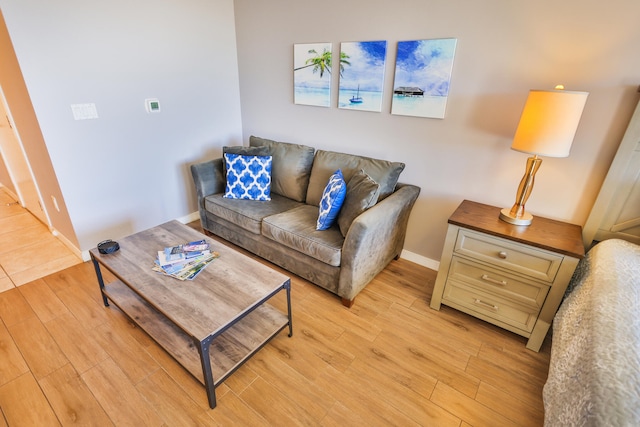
column 485, row 304
column 486, row 278
column 502, row 254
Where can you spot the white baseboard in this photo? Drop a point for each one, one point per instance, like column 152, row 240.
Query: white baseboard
column 194, row 216
column 11, row 194
column 84, row 255
column 421, row 260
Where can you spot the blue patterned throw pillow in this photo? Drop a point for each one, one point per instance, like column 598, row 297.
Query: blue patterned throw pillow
column 332, row 199
column 248, row 177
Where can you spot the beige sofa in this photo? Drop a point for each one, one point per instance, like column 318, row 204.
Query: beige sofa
column 370, row 228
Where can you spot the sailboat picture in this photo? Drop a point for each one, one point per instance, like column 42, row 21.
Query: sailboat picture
column 362, row 75
column 357, row 99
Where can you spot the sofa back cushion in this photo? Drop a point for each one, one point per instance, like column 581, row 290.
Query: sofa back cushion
column 325, row 163
column 291, row 167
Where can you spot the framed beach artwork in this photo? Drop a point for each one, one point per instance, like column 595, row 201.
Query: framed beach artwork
column 422, row 78
column 362, row 75
column 312, row 74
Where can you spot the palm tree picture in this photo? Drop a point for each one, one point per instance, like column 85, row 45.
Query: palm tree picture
column 319, row 62
column 312, row 64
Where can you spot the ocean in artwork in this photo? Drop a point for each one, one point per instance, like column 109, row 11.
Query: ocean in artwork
column 318, row 97
column 371, row 100
column 419, row 106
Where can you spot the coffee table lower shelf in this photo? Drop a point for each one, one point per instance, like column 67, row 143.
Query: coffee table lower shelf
column 227, row 350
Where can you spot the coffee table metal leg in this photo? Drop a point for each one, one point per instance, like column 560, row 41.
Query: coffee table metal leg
column 287, row 287
column 96, row 266
column 203, row 349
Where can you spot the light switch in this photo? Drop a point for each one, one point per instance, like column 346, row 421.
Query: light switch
column 152, row 105
column 84, row 111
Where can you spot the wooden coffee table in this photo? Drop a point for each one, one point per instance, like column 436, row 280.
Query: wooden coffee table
column 225, row 305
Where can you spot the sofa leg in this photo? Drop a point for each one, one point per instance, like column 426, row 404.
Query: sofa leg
column 397, row 257
column 348, row 302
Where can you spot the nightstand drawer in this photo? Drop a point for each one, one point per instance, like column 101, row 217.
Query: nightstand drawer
column 489, row 307
column 489, row 280
column 533, row 262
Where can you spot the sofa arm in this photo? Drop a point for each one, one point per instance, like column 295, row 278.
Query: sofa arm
column 209, row 179
column 374, row 239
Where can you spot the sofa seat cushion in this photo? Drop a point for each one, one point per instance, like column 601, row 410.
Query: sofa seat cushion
column 248, row 214
column 325, row 163
column 296, row 229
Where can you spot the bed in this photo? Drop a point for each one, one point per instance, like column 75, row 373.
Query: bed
column 594, row 375
column 594, row 371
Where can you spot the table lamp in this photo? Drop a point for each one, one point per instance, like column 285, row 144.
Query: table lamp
column 547, row 126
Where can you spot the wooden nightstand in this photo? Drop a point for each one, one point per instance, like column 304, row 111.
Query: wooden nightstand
column 511, row 276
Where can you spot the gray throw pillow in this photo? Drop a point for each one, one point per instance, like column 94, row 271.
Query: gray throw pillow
column 362, row 193
column 246, row 151
column 243, row 151
column 291, row 167
column 383, row 172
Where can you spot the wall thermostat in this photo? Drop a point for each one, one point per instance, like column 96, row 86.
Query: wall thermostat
column 152, row 105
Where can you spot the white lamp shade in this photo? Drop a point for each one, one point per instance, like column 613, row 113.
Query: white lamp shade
column 549, row 122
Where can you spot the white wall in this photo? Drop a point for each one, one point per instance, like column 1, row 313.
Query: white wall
column 128, row 170
column 504, row 49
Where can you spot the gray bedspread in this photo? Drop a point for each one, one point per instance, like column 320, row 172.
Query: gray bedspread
column 594, row 375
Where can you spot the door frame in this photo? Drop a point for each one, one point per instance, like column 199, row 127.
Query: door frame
column 19, row 168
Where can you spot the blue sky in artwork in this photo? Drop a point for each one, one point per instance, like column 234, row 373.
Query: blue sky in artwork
column 426, row 64
column 367, row 65
column 377, row 51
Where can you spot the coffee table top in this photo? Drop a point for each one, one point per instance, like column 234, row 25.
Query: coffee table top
column 225, row 290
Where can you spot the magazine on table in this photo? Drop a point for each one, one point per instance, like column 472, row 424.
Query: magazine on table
column 185, row 261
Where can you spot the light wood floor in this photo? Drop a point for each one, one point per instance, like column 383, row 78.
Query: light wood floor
column 28, row 250
column 390, row 360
